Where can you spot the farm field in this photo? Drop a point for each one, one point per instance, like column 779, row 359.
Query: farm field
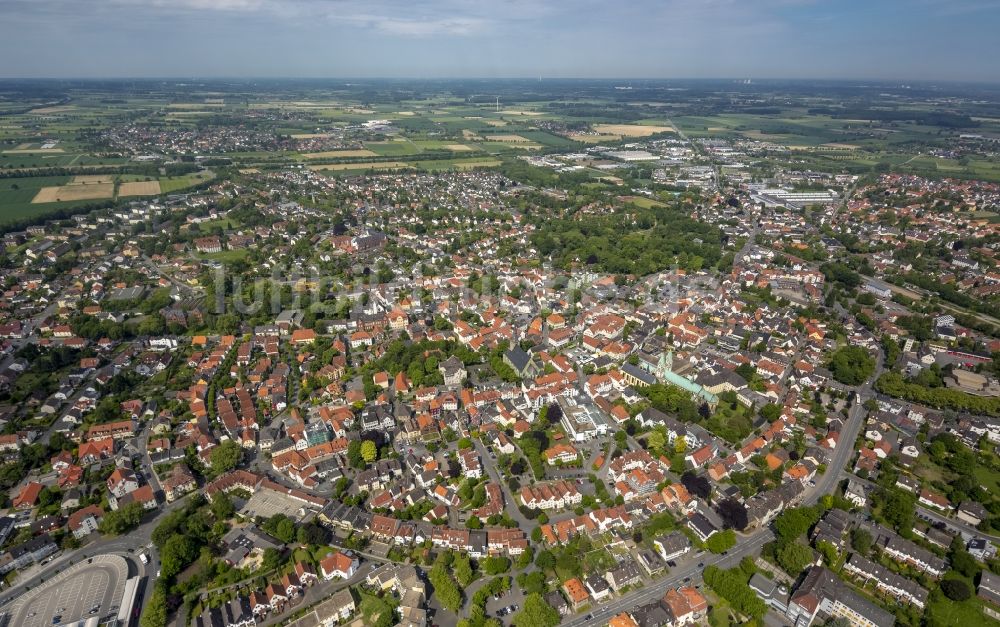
column 339, row 154
column 139, row 188
column 631, row 130
column 74, row 191
column 173, row 184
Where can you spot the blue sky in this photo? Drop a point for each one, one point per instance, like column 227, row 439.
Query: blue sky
column 873, row 39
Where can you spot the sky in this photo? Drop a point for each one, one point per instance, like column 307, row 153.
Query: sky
column 852, row 39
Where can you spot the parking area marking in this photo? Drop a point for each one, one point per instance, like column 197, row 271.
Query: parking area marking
column 71, row 595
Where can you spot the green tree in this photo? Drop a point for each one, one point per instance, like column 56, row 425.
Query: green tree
column 495, row 565
column 852, row 365
column 369, row 452
column 222, row 506
column 536, row 613
column 177, row 553
column 960, row 558
column 861, row 540
column 226, row 456
column 445, row 589
column 462, row 568
column 898, row 509
column 794, row 557
column 155, row 612
column 795, row 522
column 122, row 520
column 721, row 541
column 656, row 440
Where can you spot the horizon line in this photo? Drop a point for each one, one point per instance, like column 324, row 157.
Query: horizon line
column 543, row 78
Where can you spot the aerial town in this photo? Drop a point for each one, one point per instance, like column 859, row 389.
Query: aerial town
column 523, row 371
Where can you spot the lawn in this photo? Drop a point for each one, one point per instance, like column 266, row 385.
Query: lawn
column 371, row 606
column 173, row 184
column 226, row 256
column 943, row 611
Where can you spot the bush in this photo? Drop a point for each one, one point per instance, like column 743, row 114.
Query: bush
column 956, row 589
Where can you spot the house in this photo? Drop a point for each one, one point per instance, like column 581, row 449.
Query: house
column 303, row 336
column 122, row 481
column 685, row 605
column 769, row 591
column 672, row 545
column 557, row 601
column 519, row 361
column 972, row 513
column 888, row 582
column 179, row 482
column 453, row 371
column 855, row 493
column 276, row 597
column 336, row 609
column 93, row 451
column 84, row 522
column 290, row 582
column 822, row 592
column 28, row 496
column 597, row 587
column 305, row 573
column 121, row 430
column 576, row 592
column 560, row 453
column 626, row 573
column 907, row 552
column 701, row 526
column 989, row 587
column 236, row 613
column 338, row 565
column 30, row 552
column 935, row 500
column 622, row 620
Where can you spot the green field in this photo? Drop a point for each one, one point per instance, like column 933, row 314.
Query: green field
column 173, row 184
column 16, row 195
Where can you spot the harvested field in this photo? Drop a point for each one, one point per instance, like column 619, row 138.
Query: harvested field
column 458, row 147
column 520, row 112
column 249, row 171
column 90, row 179
column 339, row 154
column 50, row 110
column 593, row 139
column 508, row 139
column 139, row 188
column 65, row 193
column 467, row 134
column 631, row 130
column 497, row 122
column 379, row 165
column 310, row 135
column 28, row 151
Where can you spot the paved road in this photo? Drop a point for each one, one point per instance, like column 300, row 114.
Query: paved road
column 746, row 545
column 931, row 515
column 510, row 505
column 130, row 544
column 599, row 616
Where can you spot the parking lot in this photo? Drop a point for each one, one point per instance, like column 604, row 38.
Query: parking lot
column 71, row 595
